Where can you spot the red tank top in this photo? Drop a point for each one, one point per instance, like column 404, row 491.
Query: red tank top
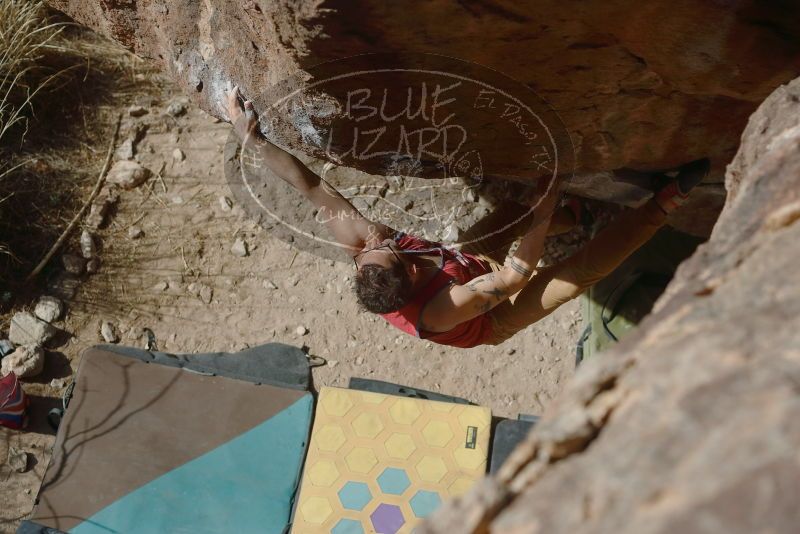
column 457, row 268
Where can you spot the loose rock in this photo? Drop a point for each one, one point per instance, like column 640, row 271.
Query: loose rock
column 269, row 284
column 125, row 151
column 27, row 329
column 178, row 155
column 225, row 204
column 135, row 232
column 88, row 246
column 176, row 109
column 239, row 248
column 48, row 308
column 206, row 294
column 59, row 382
column 17, row 460
column 137, row 111
column 73, row 264
column 161, row 286
column 100, row 208
column 301, row 330
column 109, row 332
column 128, row 174
column 93, row 265
column 26, row 361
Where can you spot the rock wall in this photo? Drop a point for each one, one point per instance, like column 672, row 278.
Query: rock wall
column 690, row 425
column 645, row 85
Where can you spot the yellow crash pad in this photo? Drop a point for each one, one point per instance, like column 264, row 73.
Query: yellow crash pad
column 381, row 463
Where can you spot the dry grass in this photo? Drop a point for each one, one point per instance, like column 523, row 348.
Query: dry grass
column 25, row 36
column 58, row 83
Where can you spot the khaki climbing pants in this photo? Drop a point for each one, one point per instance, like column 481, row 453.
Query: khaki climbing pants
column 552, row 286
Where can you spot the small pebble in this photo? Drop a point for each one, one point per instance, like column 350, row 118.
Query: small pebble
column 93, row 265
column 360, row 360
column 178, row 155
column 137, row 111
column 135, row 232
column 59, row 382
column 511, row 350
column 206, row 294
column 17, row 460
column 161, row 286
column 239, row 248
column 269, row 284
column 301, row 330
column 109, row 332
column 88, row 247
column 176, row 109
column 333, row 363
column 225, row 204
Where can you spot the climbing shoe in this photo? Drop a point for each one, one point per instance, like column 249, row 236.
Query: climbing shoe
column 675, row 193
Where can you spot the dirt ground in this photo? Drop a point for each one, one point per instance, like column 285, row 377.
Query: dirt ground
column 181, row 280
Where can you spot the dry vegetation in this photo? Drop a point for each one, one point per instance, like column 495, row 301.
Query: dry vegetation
column 56, row 81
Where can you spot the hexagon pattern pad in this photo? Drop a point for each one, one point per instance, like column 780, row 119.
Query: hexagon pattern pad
column 380, row 463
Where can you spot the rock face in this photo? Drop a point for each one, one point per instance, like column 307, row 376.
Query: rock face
column 690, row 424
column 645, row 85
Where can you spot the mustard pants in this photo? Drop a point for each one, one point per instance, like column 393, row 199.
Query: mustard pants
column 554, row 285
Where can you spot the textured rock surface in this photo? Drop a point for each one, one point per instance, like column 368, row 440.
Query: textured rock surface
column 27, row 329
column 645, row 85
column 128, row 174
column 26, row 361
column 689, row 425
column 48, row 309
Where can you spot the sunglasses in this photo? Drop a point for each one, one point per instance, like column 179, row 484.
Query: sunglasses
column 358, row 256
column 384, row 246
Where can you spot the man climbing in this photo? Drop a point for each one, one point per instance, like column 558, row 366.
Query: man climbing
column 460, row 299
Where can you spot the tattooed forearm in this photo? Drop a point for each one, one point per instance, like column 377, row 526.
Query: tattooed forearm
column 496, row 292
column 519, row 268
column 483, row 307
column 486, row 284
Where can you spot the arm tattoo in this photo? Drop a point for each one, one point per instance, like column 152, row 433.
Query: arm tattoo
column 496, row 292
column 483, row 307
column 520, row 269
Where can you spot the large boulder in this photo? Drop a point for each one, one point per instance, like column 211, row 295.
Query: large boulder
column 644, row 85
column 690, row 425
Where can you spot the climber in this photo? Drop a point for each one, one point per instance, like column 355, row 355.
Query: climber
column 456, row 298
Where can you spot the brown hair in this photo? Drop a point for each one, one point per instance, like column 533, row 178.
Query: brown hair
column 382, row 289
